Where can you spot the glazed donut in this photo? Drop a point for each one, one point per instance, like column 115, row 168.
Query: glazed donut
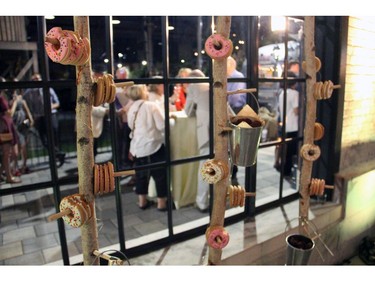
column 310, row 152
column 61, row 48
column 218, row 47
column 318, row 131
column 78, row 214
column 217, row 237
column 213, row 171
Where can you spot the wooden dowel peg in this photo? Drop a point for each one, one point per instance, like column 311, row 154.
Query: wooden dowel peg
column 59, row 215
column 51, row 40
column 253, row 194
column 124, row 84
column 336, row 86
column 102, row 255
column 226, row 129
column 124, row 173
column 329, row 186
column 242, row 91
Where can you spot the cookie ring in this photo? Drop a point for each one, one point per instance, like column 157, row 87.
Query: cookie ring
column 318, row 131
column 310, row 152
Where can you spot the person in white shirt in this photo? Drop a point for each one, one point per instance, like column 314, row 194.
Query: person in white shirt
column 146, row 121
column 156, row 94
column 198, row 104
column 291, row 121
column 97, row 117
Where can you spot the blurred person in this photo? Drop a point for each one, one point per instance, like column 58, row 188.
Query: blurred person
column 198, row 104
column 8, row 139
column 23, row 121
column 179, row 93
column 146, row 121
column 157, row 95
column 122, row 105
column 34, row 99
column 236, row 101
column 291, row 124
column 97, row 116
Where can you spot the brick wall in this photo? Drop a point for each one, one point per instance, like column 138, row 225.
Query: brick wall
column 358, row 131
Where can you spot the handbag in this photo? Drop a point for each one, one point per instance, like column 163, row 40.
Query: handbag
column 6, row 137
column 24, row 126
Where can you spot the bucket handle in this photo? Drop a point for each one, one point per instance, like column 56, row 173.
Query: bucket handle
column 247, row 91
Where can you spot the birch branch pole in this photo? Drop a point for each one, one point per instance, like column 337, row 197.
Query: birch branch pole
column 85, row 155
column 306, row 170
column 221, row 140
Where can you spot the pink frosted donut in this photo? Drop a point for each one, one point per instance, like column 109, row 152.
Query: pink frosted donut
column 85, row 44
column 61, row 48
column 218, row 47
column 77, row 48
column 78, row 215
column 217, row 237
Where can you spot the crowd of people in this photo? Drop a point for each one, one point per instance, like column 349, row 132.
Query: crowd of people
column 19, row 112
column 140, row 122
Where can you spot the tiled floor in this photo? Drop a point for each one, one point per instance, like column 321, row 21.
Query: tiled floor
column 26, row 238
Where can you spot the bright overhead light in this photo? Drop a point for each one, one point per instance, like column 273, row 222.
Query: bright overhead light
column 106, row 60
column 120, row 55
column 116, row 22
column 49, row 17
column 170, row 27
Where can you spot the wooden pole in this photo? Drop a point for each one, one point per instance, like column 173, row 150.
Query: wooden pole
column 304, row 204
column 221, row 140
column 85, row 155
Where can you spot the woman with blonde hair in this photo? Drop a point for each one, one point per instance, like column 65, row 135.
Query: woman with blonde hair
column 146, row 121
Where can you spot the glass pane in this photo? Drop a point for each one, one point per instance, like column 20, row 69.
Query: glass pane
column 187, row 36
column 238, row 36
column 268, row 178
column 137, row 44
column 271, row 47
column 26, row 236
column 295, row 45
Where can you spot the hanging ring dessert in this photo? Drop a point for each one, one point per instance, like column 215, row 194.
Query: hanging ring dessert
column 104, row 175
column 310, row 152
column 317, row 187
column 318, row 131
column 106, row 89
column 218, row 47
column 217, row 237
column 74, row 210
column 318, row 65
column 323, row 90
column 237, row 195
column 67, row 47
column 213, row 171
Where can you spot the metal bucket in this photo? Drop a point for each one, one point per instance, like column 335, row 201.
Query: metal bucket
column 243, row 144
column 299, row 248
